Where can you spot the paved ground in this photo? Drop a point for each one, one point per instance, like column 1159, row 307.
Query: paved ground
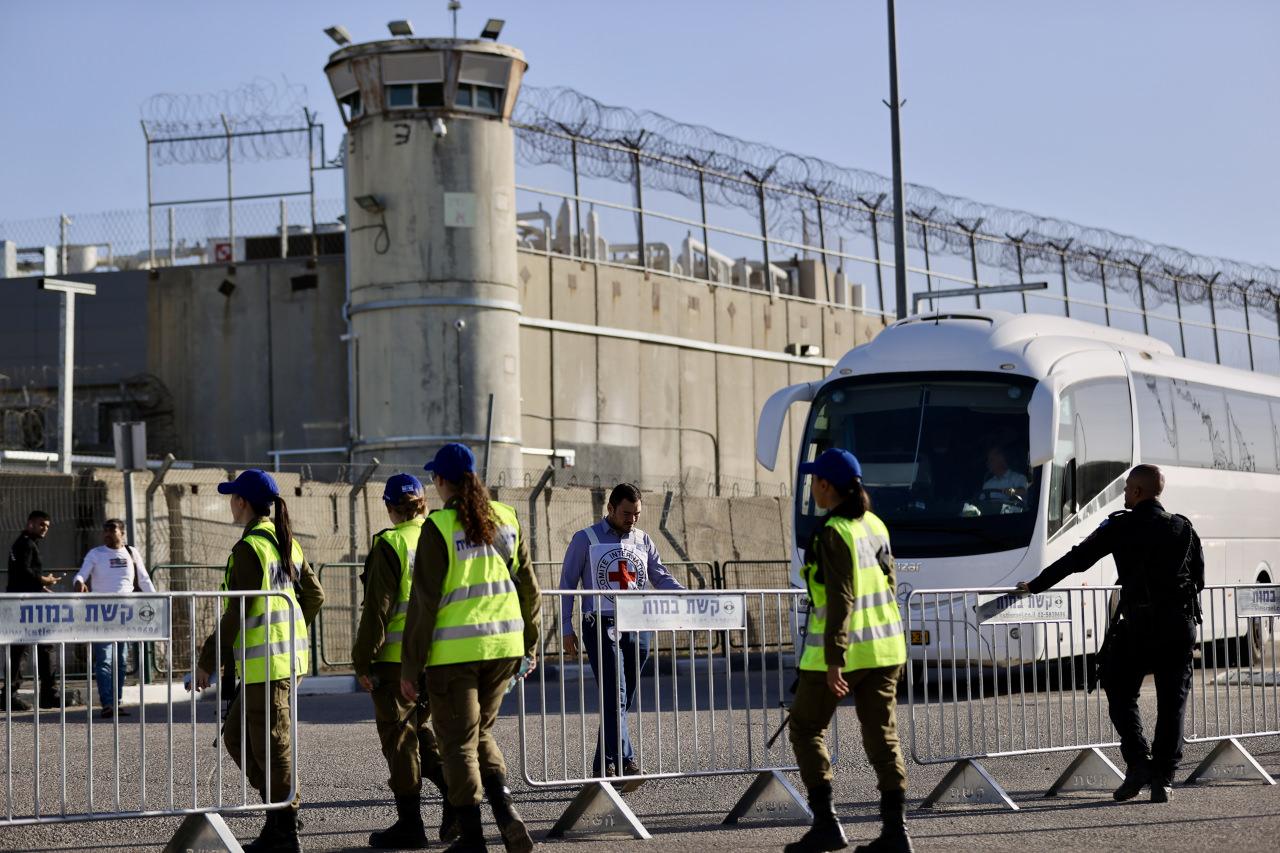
column 343, row 785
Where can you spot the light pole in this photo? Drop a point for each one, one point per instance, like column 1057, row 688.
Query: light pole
column 67, row 338
column 899, row 212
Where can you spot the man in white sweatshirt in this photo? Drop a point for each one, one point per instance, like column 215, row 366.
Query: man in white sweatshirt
column 113, row 568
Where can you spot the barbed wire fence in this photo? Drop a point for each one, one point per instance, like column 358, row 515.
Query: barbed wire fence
column 1105, row 276
column 635, row 168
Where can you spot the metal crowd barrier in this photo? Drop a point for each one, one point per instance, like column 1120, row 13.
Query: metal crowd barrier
column 694, row 574
column 78, row 772
column 1236, row 693
column 702, row 706
column 995, row 674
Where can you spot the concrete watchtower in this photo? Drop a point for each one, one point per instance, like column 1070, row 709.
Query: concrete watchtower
column 434, row 299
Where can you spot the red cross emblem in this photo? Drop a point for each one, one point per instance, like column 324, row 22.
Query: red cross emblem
column 621, row 576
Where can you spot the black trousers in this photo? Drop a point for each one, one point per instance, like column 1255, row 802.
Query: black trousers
column 1161, row 646
column 46, row 654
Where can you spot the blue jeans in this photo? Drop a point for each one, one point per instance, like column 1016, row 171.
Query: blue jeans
column 619, row 687
column 107, row 656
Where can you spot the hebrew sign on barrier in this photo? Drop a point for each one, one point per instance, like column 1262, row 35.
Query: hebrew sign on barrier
column 719, row 612
column 1258, row 601
column 1051, row 606
column 90, row 617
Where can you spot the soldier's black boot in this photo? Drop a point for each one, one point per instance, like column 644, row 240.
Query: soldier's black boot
column 472, row 838
column 515, row 835
column 826, row 833
column 1161, row 789
column 407, row 832
column 450, row 828
column 279, row 834
column 1136, row 778
column 893, row 826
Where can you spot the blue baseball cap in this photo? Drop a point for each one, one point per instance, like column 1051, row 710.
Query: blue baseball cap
column 838, row 467
column 452, row 461
column 254, row 485
column 399, row 485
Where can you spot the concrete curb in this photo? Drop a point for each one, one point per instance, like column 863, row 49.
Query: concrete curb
column 159, row 694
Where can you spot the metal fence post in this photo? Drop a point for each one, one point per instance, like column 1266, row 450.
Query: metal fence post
column 353, row 554
column 874, row 212
column 1142, row 297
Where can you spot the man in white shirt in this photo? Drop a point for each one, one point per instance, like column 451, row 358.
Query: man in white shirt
column 1003, row 479
column 112, row 568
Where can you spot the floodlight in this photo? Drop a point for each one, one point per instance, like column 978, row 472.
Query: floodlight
column 400, row 28
column 370, row 204
column 492, row 29
column 338, row 33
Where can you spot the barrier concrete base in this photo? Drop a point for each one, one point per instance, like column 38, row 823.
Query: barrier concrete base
column 1229, row 761
column 770, row 797
column 1090, row 770
column 968, row 783
column 598, row 809
column 203, row 833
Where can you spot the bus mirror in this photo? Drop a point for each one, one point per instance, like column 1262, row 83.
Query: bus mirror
column 774, row 415
column 1042, row 414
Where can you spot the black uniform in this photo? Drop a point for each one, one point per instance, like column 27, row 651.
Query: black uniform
column 1161, row 568
column 25, row 571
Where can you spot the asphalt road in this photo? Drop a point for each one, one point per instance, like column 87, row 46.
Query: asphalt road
column 345, row 798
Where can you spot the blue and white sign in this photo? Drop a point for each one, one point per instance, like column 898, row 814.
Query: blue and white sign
column 83, row 618
column 1257, row 601
column 685, row 612
column 1012, row 608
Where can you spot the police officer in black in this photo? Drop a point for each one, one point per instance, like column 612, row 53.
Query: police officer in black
column 1161, row 568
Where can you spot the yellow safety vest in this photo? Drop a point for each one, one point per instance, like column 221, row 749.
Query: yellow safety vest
column 479, row 616
column 265, row 632
column 403, row 538
column 875, row 624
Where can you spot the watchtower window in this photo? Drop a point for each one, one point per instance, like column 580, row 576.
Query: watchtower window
column 400, row 95
column 404, row 96
column 486, row 99
column 351, row 105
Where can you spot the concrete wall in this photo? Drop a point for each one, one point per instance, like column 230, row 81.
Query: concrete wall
column 264, row 367
column 656, row 412
column 110, row 362
column 261, row 368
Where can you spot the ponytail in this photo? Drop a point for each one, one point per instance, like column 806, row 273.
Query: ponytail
column 474, row 510
column 857, row 497
column 284, row 533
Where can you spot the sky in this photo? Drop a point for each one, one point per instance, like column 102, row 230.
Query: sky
column 1156, row 118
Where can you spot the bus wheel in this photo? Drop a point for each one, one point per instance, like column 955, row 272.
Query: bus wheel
column 1261, row 636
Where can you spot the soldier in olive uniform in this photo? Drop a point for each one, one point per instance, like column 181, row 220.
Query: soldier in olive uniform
column 1161, row 568
column 273, row 627
column 473, row 616
column 404, row 728
column 853, row 646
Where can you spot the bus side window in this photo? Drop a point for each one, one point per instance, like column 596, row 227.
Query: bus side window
column 1094, row 446
column 1104, row 435
column 1061, row 483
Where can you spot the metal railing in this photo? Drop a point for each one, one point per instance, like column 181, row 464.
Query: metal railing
column 996, row 674
column 693, row 704
column 1236, row 693
column 85, row 763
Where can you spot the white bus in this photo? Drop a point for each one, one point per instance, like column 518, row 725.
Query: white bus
column 991, row 443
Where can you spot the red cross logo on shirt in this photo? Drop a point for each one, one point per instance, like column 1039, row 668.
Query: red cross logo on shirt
column 622, row 576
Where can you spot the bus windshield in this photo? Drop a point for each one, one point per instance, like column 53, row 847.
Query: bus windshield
column 944, row 458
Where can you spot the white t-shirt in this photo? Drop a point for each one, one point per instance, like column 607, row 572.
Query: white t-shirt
column 111, row 570
column 1008, row 480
